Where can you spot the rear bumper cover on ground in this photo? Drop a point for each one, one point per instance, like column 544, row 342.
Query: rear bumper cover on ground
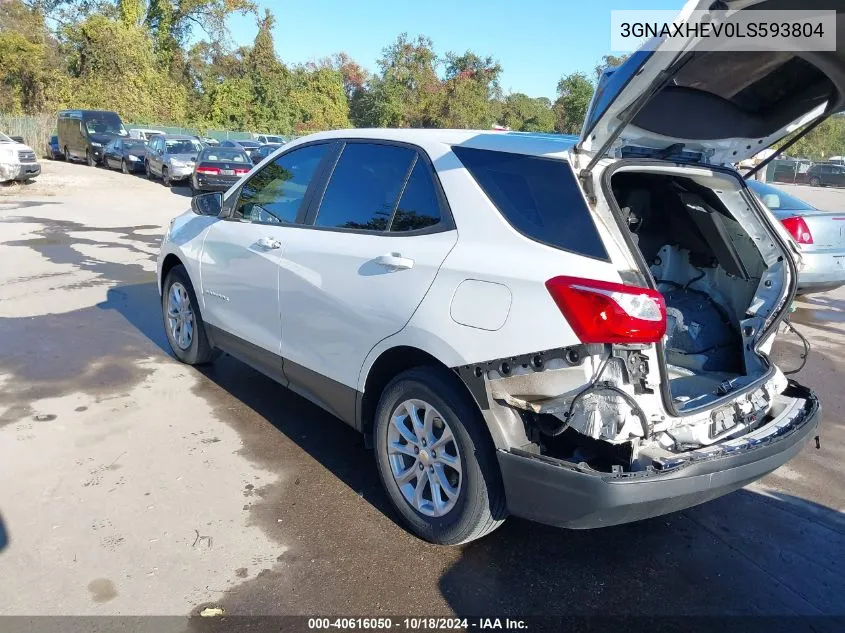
column 556, row 493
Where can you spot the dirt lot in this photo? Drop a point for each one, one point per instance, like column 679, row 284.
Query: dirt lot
column 131, row 484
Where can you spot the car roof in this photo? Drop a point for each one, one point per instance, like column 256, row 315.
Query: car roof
column 537, row 144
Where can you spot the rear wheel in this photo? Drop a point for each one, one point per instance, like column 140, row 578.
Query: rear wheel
column 182, row 321
column 436, row 458
column 815, row 182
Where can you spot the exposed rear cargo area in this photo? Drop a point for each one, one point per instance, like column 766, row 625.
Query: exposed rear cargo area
column 716, row 268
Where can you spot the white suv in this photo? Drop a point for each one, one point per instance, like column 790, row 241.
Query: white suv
column 571, row 331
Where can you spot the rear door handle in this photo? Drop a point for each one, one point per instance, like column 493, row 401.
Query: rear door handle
column 395, row 261
column 269, row 242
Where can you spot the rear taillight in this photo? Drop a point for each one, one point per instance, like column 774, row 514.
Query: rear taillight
column 798, row 228
column 240, row 171
column 212, row 171
column 605, row 312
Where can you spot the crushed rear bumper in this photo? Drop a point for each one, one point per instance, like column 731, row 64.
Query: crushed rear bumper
column 559, row 493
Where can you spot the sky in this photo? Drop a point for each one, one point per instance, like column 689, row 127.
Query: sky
column 535, row 41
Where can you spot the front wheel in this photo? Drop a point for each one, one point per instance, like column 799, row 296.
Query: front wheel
column 815, row 182
column 165, row 177
column 148, row 170
column 89, row 158
column 436, row 458
column 124, row 167
column 183, row 323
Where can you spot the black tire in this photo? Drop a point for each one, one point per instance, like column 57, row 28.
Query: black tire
column 89, row 158
column 815, row 182
column 193, row 189
column 148, row 171
column 124, row 168
column 165, row 177
column 199, row 352
column 480, row 507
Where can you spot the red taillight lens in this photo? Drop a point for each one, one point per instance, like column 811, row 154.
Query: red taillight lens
column 240, row 171
column 798, row 229
column 605, row 312
column 212, row 171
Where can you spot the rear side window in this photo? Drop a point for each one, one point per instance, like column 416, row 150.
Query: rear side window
column 539, row 197
column 418, row 207
column 364, row 186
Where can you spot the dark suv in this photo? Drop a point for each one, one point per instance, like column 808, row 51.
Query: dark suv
column 826, row 174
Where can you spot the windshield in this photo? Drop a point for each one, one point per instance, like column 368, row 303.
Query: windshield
column 249, row 143
column 5, row 139
column 273, row 139
column 183, row 146
column 223, row 154
column 104, row 123
column 134, row 144
column 775, row 198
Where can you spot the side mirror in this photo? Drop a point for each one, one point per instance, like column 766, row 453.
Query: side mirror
column 207, row 203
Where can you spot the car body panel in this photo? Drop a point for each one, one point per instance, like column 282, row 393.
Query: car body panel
column 822, row 262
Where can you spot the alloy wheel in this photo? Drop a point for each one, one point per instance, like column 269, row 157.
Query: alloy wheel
column 180, row 316
column 424, row 458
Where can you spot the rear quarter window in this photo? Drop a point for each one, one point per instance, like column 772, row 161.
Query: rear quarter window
column 539, row 197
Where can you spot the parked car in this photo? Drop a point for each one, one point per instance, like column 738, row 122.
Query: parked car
column 819, row 234
column 125, row 154
column 268, row 138
column 209, row 140
column 144, row 134
column 17, row 160
column 52, row 149
column 612, row 366
column 260, row 153
column 826, row 175
column 788, row 170
column 218, row 168
column 248, row 146
column 84, row 133
column 171, row 157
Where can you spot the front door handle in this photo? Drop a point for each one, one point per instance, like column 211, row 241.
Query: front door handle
column 395, row 261
column 269, row 242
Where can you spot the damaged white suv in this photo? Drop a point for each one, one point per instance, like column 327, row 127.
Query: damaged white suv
column 575, row 331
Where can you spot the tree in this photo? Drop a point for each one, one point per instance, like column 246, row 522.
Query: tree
column 409, row 77
column 521, row 112
column 112, row 65
column 574, row 94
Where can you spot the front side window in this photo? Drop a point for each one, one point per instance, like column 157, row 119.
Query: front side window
column 364, row 186
column 276, row 193
column 539, row 197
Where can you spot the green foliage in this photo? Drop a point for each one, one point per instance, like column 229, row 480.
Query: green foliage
column 827, row 140
column 144, row 59
column 520, row 112
column 574, row 94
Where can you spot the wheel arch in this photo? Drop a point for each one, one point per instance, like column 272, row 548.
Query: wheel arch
column 170, row 262
column 392, row 361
